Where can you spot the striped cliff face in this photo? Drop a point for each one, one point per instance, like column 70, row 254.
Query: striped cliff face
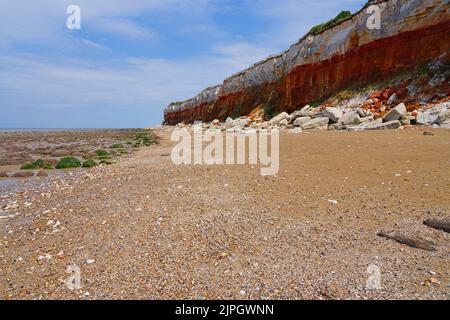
column 353, row 53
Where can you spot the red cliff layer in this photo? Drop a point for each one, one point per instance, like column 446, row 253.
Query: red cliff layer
column 362, row 62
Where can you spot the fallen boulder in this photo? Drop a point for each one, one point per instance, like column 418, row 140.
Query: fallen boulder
column 283, row 123
column 349, row 118
column 385, row 126
column 427, row 118
column 317, row 123
column 366, row 119
column 304, row 112
column 280, row 117
column 300, row 121
column 295, row 131
column 334, row 114
column 396, row 113
column 336, row 126
column 294, row 116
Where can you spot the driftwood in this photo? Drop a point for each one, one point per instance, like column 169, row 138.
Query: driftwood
column 414, row 242
column 438, row 224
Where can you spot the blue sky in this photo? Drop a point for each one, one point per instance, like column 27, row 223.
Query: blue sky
column 131, row 58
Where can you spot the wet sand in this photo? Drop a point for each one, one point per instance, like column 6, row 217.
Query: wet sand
column 19, row 147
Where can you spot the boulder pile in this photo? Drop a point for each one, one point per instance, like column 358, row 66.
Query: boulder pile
column 345, row 116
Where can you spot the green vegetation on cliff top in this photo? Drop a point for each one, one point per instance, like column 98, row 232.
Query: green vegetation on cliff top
column 333, row 22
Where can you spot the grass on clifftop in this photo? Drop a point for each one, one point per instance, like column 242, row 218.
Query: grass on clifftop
column 333, row 22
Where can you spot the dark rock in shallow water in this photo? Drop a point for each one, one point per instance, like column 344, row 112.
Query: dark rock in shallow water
column 3, row 174
column 23, row 174
column 42, row 174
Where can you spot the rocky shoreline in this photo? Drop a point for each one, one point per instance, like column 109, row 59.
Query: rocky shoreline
column 25, row 154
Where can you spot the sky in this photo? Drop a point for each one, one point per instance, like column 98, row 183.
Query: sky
column 131, row 58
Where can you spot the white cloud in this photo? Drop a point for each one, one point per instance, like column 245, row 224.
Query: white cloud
column 26, row 21
column 125, row 28
column 78, row 85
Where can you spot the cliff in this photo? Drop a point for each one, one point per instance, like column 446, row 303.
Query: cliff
column 328, row 59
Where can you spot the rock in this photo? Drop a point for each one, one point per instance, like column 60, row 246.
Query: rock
column 301, row 120
column 216, row 122
column 349, row 118
column 296, row 131
column 392, row 99
column 405, row 121
column 3, row 174
column 280, row 117
column 333, row 202
column 23, row 174
column 386, row 125
column 306, row 109
column 42, row 174
column 364, row 113
column 428, row 133
column 427, row 118
column 229, row 122
column 334, row 114
column 283, row 123
column 355, row 102
column 366, row 119
column 317, row 123
column 294, row 116
column 443, row 116
column 412, row 90
column 241, row 122
column 396, row 113
column 336, row 126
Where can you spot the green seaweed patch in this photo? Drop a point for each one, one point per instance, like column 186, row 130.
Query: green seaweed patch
column 102, row 154
column 117, row 146
column 68, row 162
column 89, row 163
column 38, row 164
column 145, row 138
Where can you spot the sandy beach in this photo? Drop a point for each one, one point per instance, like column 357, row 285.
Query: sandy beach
column 143, row 228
